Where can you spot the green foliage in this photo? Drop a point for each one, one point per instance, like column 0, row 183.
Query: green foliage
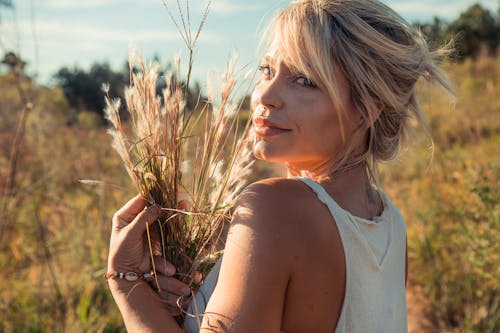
column 452, row 204
column 474, row 27
column 55, row 242
column 89, row 120
column 457, row 250
column 476, row 30
column 83, row 88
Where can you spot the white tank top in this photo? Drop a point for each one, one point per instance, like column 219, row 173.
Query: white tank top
column 375, row 253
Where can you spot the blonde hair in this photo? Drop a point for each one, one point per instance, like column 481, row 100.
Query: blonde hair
column 378, row 52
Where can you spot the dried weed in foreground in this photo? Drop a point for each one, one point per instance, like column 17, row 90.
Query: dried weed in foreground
column 191, row 163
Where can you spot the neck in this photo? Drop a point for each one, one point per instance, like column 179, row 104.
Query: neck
column 356, row 173
column 350, row 188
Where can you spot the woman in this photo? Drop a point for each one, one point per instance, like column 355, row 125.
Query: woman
column 324, row 249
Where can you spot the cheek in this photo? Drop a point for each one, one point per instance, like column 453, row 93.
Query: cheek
column 329, row 137
column 319, row 130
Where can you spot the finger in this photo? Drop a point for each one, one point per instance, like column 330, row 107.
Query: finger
column 155, row 242
column 181, row 305
column 171, row 299
column 128, row 212
column 146, row 217
column 176, row 302
column 172, row 286
column 173, row 311
column 163, row 266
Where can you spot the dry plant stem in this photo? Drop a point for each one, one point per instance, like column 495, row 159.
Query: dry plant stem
column 153, row 160
column 164, row 136
column 18, row 139
column 185, row 32
column 53, row 277
column 152, row 258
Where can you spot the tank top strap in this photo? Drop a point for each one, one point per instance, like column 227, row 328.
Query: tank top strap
column 336, row 211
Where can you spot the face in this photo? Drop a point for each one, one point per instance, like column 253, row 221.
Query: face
column 294, row 119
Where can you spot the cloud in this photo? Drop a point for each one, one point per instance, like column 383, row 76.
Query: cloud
column 222, row 7
column 60, row 42
column 68, row 4
column 59, row 30
column 230, row 7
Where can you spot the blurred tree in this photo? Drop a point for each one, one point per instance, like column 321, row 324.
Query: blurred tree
column 83, row 88
column 435, row 32
column 14, row 63
column 476, row 28
column 497, row 25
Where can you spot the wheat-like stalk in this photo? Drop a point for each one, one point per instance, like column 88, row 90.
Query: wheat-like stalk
column 193, row 163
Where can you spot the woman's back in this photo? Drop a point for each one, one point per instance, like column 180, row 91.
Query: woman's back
column 317, row 249
column 375, row 256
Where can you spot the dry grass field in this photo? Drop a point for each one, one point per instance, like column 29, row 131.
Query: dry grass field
column 53, row 246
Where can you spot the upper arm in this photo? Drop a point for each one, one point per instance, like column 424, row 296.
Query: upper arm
column 252, row 282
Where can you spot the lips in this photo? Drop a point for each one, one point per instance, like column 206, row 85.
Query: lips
column 265, row 127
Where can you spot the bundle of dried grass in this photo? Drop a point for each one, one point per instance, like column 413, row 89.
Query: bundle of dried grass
column 193, row 163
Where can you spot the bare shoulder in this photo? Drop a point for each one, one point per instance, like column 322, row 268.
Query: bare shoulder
column 279, row 196
column 268, row 215
column 282, row 212
column 256, row 264
column 281, row 248
column 279, row 204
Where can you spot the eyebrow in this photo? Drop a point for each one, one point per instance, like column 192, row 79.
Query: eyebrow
column 268, row 59
column 272, row 57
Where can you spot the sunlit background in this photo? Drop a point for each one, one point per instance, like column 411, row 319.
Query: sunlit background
column 54, row 230
column 49, row 34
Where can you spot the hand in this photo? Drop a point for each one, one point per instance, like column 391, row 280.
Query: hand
column 172, row 291
column 129, row 251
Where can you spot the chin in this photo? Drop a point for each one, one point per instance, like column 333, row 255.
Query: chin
column 267, row 154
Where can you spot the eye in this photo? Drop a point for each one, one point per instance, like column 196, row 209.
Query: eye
column 304, row 81
column 266, row 71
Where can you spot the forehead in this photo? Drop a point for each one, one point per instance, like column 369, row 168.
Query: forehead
column 273, row 48
column 285, row 42
column 272, row 57
column 275, row 56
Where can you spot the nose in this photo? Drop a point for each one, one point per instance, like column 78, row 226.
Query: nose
column 269, row 94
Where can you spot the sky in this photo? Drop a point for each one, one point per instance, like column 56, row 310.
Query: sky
column 50, row 34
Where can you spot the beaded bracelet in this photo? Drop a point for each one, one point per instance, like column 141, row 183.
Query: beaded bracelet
column 129, row 276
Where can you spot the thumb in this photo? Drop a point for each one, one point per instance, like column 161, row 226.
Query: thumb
column 145, row 217
column 128, row 212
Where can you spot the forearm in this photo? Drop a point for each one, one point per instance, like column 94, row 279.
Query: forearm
column 142, row 310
